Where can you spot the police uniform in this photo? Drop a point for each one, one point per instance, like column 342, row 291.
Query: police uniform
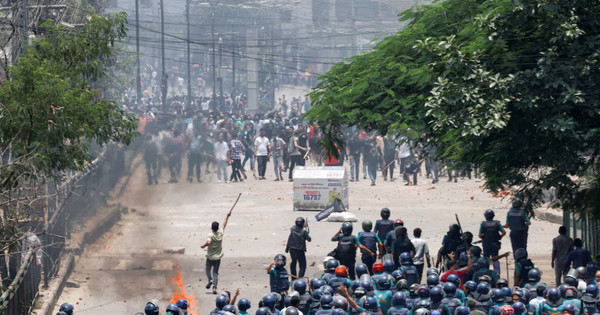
column 382, row 228
column 369, row 240
column 346, row 252
column 296, row 245
column 490, row 230
column 279, row 280
column 516, row 220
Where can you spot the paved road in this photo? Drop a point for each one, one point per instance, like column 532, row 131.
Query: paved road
column 127, row 267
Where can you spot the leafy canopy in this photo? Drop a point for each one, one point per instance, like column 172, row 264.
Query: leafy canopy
column 511, row 85
column 50, row 113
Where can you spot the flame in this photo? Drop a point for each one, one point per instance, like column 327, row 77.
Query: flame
column 180, row 293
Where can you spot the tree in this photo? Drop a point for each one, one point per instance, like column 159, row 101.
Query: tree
column 50, row 114
column 511, row 85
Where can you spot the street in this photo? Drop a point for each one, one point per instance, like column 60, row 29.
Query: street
column 128, row 267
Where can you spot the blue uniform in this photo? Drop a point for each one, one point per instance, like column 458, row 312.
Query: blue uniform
column 279, row 280
column 384, row 297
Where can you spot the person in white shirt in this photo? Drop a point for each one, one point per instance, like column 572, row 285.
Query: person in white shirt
column 262, row 153
column 421, row 252
column 221, row 152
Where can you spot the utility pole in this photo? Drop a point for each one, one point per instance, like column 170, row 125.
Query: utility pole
column 189, row 58
column 164, row 78
column 232, row 68
column 138, row 83
column 214, row 63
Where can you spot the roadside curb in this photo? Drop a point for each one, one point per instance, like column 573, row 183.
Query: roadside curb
column 544, row 214
column 72, row 253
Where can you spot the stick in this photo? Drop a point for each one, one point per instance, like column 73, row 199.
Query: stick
column 461, row 232
column 507, row 273
column 254, row 167
column 236, row 201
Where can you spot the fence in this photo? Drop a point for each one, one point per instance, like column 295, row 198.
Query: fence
column 585, row 228
column 65, row 201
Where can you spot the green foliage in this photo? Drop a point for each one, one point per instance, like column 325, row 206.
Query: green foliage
column 511, row 85
column 49, row 112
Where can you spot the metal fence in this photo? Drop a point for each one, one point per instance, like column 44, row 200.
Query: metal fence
column 65, row 201
column 584, row 227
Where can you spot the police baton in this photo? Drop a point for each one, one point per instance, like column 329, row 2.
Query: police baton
column 461, row 232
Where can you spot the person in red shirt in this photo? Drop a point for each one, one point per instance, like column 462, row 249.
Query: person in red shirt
column 460, row 272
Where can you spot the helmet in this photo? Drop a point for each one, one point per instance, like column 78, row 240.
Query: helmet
column 454, row 278
column 361, row 269
column 328, row 290
column 269, row 300
column 172, row 307
column 422, row 311
column 483, row 263
column 150, row 309
column 370, row 304
column 449, row 288
column 581, row 272
column 263, row 311
column 382, row 283
column 433, row 280
column 462, row 310
column 341, row 271
column 317, row 294
column 183, row 304
column 569, row 308
column 397, row 275
column 355, row 284
column 519, row 308
column 319, row 283
column 533, row 276
column 340, row 302
column 423, row 292
column 520, row 253
column 359, row 292
column 435, row 312
column 332, row 264
column 570, row 279
column 405, row 259
column 229, row 308
column 554, row 296
column 300, row 286
column 423, row 304
column 432, row 271
column 571, row 293
column 501, row 283
column 367, row 286
column 244, row 304
column 377, row 267
column 67, row 308
column 463, row 259
column 221, row 301
column 367, row 225
column 507, row 293
column 497, row 296
column 591, row 290
column 346, row 228
column 399, row 299
column 300, row 222
column 385, row 213
column 489, row 214
column 506, row 310
column 402, row 284
column 388, row 266
column 326, row 301
column 280, row 259
column 412, row 290
column 291, row 311
column 471, row 285
column 435, row 294
column 591, row 269
column 517, row 204
column 476, row 251
column 485, row 278
column 398, row 223
column 483, row 288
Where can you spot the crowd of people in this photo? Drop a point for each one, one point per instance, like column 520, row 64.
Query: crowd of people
column 271, row 145
column 390, row 278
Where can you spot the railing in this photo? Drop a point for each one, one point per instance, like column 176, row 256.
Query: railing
column 65, row 201
column 584, row 227
column 23, row 290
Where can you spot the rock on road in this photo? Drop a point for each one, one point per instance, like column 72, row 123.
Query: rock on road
column 127, row 267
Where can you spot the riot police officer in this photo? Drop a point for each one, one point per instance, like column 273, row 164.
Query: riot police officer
column 296, row 246
column 383, row 226
column 67, row 308
column 279, row 277
column 346, row 249
column 491, row 232
column 518, row 222
column 368, row 241
column 411, row 273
